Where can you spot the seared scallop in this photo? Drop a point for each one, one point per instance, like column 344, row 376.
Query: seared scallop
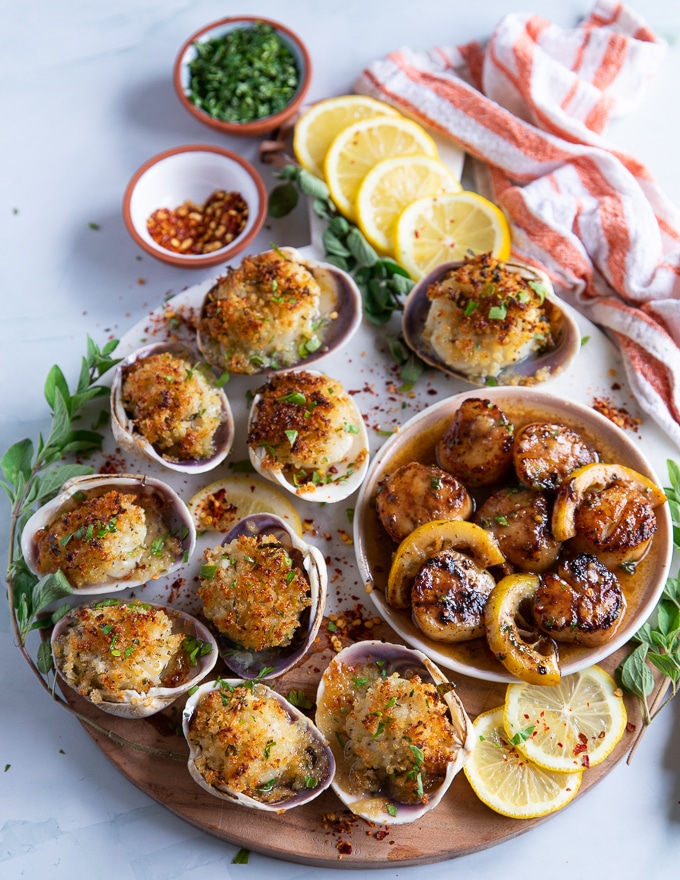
column 477, row 444
column 448, row 597
column 520, row 520
column 582, row 603
column 616, row 524
column 417, row 493
column 545, row 453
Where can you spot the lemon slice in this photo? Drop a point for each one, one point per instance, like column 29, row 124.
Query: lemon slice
column 221, row 504
column 360, row 146
column 431, row 538
column 436, row 229
column 316, row 128
column 506, row 781
column 392, row 185
column 576, row 723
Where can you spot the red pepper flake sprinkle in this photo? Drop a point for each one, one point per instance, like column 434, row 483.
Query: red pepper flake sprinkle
column 200, row 229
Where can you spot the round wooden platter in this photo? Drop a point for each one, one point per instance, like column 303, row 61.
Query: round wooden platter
column 324, row 833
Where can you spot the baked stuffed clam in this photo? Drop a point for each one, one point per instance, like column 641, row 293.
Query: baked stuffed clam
column 490, row 322
column 108, row 533
column 277, row 309
column 306, row 433
column 132, row 658
column 263, row 591
column 249, row 745
column 397, row 729
column 167, row 407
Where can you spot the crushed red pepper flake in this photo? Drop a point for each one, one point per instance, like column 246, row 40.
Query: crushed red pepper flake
column 200, row 229
column 619, row 415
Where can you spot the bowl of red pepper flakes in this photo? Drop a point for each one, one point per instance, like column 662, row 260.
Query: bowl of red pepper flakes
column 195, row 206
column 243, row 75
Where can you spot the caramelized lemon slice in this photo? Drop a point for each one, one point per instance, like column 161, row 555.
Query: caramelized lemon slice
column 431, row 538
column 592, row 477
column 360, row 146
column 574, row 725
column 530, row 656
column 316, row 128
column 436, row 229
column 221, row 504
column 506, row 781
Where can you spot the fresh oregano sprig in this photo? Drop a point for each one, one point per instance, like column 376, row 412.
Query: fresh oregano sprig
column 658, row 644
column 382, row 281
column 32, row 476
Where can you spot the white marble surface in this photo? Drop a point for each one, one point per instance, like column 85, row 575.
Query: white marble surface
column 86, row 98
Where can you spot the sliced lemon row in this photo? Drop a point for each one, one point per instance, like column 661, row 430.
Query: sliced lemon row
column 506, row 781
column 439, row 228
column 391, row 186
column 575, row 724
column 316, row 128
column 218, row 506
column 357, row 148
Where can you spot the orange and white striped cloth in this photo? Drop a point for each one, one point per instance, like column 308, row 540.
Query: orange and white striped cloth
column 532, row 105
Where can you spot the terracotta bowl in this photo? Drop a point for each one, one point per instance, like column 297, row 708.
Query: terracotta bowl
column 181, row 75
column 193, row 173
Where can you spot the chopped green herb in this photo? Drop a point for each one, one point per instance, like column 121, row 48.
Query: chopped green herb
column 208, row 572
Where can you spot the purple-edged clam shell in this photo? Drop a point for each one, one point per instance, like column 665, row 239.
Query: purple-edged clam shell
column 128, row 436
column 533, row 369
column 141, row 704
column 381, row 807
column 325, row 759
column 176, row 519
column 340, row 312
column 350, row 472
column 249, row 664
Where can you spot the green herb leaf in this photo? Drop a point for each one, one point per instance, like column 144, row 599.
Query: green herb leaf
column 282, row 200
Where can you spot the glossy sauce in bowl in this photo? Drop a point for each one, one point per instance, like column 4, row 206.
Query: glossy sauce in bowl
column 417, row 441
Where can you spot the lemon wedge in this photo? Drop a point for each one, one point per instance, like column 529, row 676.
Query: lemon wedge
column 392, row 185
column 576, row 724
column 316, row 128
column 439, row 228
column 360, row 146
column 219, row 505
column 506, row 781
column 432, row 538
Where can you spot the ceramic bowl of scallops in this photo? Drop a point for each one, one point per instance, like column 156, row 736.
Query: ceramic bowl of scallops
column 510, row 534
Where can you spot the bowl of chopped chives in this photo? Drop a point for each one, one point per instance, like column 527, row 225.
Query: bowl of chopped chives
column 243, row 75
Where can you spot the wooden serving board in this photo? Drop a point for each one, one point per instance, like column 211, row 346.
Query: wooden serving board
column 324, row 833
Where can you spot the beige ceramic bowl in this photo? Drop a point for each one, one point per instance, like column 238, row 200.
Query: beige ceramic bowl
column 193, row 172
column 416, row 441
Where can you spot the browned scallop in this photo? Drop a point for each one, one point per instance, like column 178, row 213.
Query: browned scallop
column 449, row 596
column 477, row 444
column 616, row 524
column 520, row 520
column 582, row 603
column 418, row 493
column 545, row 453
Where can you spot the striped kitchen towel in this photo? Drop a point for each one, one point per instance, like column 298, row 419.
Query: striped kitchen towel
column 531, row 106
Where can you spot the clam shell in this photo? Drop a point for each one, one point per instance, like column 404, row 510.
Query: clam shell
column 179, row 520
column 127, row 435
column 341, row 310
column 532, row 370
column 405, row 661
column 249, row 664
column 349, row 475
column 229, row 794
column 136, row 704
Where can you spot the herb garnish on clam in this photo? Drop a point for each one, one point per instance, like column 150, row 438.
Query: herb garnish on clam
column 490, row 323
